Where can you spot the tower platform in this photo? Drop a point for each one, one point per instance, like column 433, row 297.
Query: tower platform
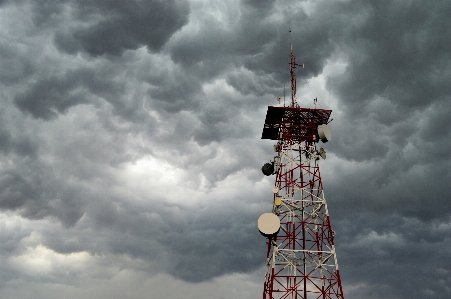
column 296, row 124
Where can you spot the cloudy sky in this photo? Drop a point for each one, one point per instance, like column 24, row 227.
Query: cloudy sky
column 130, row 147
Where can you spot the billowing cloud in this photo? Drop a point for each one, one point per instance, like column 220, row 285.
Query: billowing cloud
column 113, row 27
column 130, row 147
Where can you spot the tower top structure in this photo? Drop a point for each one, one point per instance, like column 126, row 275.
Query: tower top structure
column 300, row 124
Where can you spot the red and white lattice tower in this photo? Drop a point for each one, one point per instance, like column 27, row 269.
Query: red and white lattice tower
column 301, row 259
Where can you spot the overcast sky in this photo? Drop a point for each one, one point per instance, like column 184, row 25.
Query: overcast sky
column 130, row 148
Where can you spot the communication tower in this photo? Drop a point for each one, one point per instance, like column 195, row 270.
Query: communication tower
column 301, row 262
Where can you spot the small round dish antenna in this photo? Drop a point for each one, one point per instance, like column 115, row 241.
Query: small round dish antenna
column 268, row 224
column 275, row 189
column 268, row 169
column 324, row 133
column 322, row 153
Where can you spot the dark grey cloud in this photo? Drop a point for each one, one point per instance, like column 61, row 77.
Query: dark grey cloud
column 165, row 96
column 38, row 195
column 205, row 246
column 116, row 26
column 190, row 242
column 15, row 190
column 54, row 95
column 395, row 246
column 394, row 58
column 20, row 145
column 130, row 140
column 14, row 67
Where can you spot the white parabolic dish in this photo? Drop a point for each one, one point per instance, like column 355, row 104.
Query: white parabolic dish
column 324, row 133
column 268, row 224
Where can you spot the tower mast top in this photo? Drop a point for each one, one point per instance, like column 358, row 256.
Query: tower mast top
column 293, row 65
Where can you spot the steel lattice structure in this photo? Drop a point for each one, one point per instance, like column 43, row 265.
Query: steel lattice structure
column 301, row 259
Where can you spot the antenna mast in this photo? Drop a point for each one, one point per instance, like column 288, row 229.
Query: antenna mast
column 293, row 65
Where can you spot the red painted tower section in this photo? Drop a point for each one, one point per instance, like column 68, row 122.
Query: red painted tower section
column 301, row 260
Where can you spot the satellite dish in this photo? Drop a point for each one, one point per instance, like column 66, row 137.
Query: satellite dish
column 324, row 133
column 268, row 169
column 278, row 201
column 322, row 153
column 275, row 189
column 268, row 225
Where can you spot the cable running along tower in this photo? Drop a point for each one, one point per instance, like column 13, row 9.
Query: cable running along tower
column 301, row 262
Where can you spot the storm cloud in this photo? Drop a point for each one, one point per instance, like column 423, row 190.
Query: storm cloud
column 130, row 147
